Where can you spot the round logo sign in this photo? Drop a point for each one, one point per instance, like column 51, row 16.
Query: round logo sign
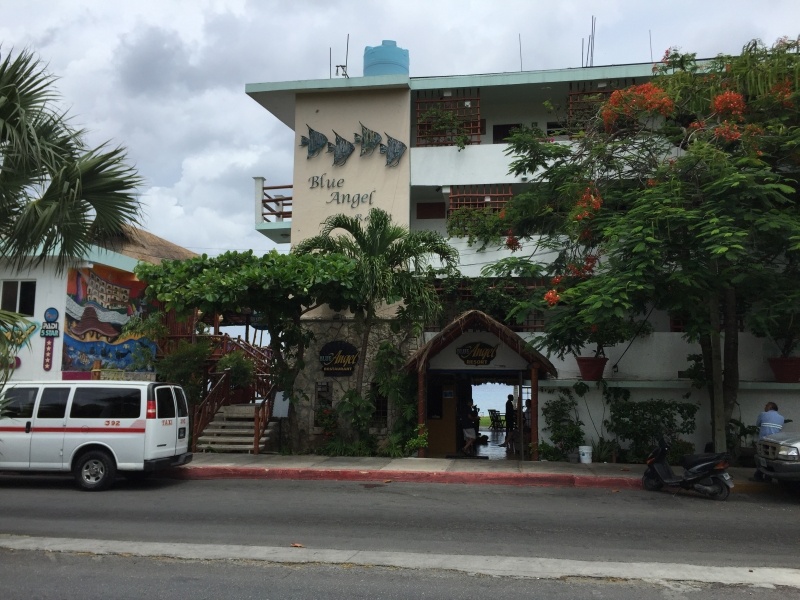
column 51, row 315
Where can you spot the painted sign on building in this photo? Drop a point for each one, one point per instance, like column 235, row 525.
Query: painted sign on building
column 338, row 358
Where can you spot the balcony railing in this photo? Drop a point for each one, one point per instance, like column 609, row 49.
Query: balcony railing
column 493, row 196
column 276, row 207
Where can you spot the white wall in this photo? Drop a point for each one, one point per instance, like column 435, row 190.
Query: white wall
column 51, row 291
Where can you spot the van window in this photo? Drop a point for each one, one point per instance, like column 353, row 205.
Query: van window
column 20, row 402
column 106, row 403
column 183, row 409
column 165, row 404
column 53, row 404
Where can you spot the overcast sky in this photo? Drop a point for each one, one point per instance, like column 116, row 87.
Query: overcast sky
column 166, row 78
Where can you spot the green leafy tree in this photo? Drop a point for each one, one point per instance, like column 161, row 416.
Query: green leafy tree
column 280, row 288
column 57, row 195
column 391, row 266
column 680, row 196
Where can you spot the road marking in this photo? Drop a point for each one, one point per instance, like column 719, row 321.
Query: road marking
column 498, row 566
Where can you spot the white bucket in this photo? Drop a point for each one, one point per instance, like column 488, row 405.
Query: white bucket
column 585, row 453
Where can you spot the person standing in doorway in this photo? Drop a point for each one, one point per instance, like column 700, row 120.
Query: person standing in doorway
column 768, row 422
column 511, row 418
column 468, row 429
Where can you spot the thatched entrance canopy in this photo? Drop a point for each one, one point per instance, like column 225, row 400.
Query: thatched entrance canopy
column 475, row 320
column 470, row 321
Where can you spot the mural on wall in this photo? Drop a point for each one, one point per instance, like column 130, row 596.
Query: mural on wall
column 100, row 302
column 17, row 336
column 343, row 148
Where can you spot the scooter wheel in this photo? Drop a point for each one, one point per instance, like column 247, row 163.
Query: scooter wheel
column 651, row 482
column 721, row 490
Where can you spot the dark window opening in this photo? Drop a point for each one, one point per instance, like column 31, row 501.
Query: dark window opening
column 53, row 404
column 106, row 403
column 501, row 132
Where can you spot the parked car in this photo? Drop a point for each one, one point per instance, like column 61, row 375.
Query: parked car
column 778, row 456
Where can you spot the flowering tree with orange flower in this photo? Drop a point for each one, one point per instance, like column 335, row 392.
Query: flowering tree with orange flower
column 679, row 196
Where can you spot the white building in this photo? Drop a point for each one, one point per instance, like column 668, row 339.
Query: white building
column 420, row 176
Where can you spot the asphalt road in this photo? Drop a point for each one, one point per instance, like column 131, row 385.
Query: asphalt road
column 748, row 531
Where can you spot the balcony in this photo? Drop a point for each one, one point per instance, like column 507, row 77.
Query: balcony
column 273, row 210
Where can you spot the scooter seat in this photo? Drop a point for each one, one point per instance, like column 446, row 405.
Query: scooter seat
column 692, row 460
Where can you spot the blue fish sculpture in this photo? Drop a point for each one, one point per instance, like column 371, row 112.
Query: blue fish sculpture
column 368, row 139
column 342, row 150
column 315, row 141
column 394, row 150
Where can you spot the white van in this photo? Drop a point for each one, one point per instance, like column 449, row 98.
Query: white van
column 93, row 428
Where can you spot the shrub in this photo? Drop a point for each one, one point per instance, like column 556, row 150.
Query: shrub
column 186, row 367
column 242, row 371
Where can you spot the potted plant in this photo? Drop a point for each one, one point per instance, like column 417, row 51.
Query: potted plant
column 566, row 334
column 777, row 317
column 241, row 374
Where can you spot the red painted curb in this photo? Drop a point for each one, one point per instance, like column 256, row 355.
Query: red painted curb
column 482, row 478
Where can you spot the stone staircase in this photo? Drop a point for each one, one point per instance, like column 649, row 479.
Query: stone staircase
column 232, row 431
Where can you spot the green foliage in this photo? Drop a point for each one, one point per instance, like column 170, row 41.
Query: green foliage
column 340, row 447
column 549, row 452
column 390, row 265
column 561, row 421
column 242, row 370
column 356, row 411
column 417, row 442
column 481, row 226
column 327, row 419
column 446, row 127
column 280, row 288
column 57, row 195
column 680, row 196
column 643, row 423
column 398, row 387
column 186, row 366
column 604, row 450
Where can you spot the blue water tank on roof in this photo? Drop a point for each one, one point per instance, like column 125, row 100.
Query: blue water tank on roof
column 386, row 59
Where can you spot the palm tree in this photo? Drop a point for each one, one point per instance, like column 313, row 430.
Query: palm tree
column 391, row 262
column 57, row 196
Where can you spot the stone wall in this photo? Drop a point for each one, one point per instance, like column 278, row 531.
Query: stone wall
column 304, row 436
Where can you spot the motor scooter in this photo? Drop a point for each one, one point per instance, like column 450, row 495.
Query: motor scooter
column 703, row 473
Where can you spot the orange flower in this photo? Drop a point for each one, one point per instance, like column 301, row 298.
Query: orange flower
column 728, row 103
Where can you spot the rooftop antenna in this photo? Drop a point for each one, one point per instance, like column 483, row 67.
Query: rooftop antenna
column 520, row 52
column 589, row 47
column 650, row 33
column 344, row 66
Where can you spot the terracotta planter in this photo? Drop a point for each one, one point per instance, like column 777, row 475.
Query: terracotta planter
column 591, row 367
column 785, row 369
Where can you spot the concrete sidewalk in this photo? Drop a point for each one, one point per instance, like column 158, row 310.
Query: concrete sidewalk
column 428, row 470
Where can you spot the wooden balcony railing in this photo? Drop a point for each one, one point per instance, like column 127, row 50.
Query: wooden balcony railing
column 494, row 197
column 276, row 207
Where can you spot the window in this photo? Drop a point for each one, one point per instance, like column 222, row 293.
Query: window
column 183, row 409
column 20, row 403
column 165, row 403
column 501, row 132
column 53, row 404
column 106, row 403
column 18, row 297
column 323, row 402
column 381, row 404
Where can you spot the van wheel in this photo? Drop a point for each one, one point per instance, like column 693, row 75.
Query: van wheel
column 95, row 471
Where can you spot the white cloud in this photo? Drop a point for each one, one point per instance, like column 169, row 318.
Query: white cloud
column 166, row 79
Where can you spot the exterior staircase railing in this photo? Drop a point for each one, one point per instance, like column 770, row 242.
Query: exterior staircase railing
column 262, row 417
column 205, row 411
column 220, row 390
